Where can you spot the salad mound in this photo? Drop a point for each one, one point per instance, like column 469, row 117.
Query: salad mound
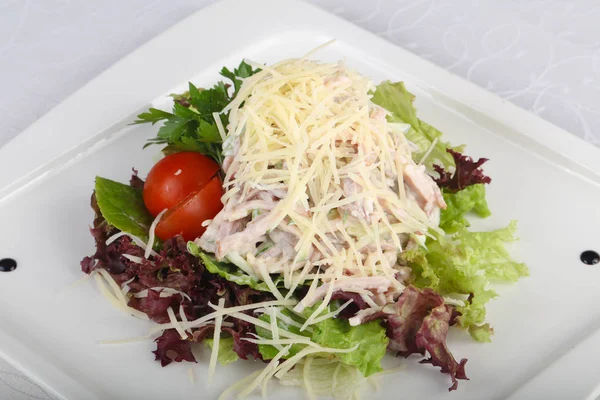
column 304, row 217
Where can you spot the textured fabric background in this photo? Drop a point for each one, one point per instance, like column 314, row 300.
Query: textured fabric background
column 543, row 55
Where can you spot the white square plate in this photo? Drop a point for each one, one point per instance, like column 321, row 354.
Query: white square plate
column 547, row 342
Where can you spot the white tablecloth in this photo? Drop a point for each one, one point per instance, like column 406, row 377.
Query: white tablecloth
column 543, row 55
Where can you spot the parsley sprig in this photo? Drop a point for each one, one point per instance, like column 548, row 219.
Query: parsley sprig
column 191, row 125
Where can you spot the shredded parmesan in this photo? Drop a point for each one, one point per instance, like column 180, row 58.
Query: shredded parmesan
column 306, row 378
column 220, row 126
column 183, row 317
column 117, row 291
column 176, row 324
column 125, row 286
column 214, row 355
column 139, row 242
column 331, row 314
column 273, row 321
column 273, row 364
column 117, row 302
column 191, row 375
column 267, row 326
column 164, row 292
column 429, row 150
column 282, row 317
column 224, row 311
column 267, row 279
column 148, row 251
column 135, row 259
column 320, row 308
column 239, row 261
column 226, row 395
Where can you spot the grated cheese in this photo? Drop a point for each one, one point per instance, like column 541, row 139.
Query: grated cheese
column 331, row 314
column 428, row 152
column 100, row 282
column 191, row 375
column 301, row 279
column 164, row 292
column 306, row 378
column 267, row 279
column 135, row 259
column 176, row 324
column 321, row 307
column 148, row 250
column 239, row 262
column 281, row 316
column 125, row 288
column 214, row 355
column 139, row 242
column 183, row 317
column 220, row 126
column 273, row 321
column 224, row 311
column 273, row 364
column 276, row 342
column 117, row 291
column 227, row 393
column 267, row 326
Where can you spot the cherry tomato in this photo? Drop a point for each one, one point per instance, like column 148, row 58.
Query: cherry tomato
column 187, row 217
column 173, row 178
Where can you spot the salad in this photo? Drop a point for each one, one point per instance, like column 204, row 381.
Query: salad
column 305, row 218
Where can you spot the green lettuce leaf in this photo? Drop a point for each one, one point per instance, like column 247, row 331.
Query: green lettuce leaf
column 226, row 354
column 230, row 271
column 470, row 199
column 487, row 251
column 394, row 97
column 123, row 207
column 336, row 333
column 481, row 333
column 370, row 337
column 466, row 263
